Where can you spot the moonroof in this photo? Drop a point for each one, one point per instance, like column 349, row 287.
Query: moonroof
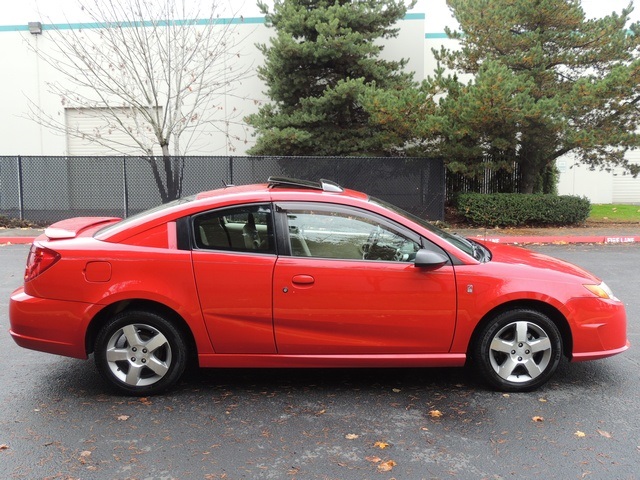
column 323, row 185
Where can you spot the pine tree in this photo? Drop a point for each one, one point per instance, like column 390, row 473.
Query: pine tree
column 322, row 57
column 546, row 82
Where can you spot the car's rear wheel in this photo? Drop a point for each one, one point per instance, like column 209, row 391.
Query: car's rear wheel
column 140, row 353
column 518, row 350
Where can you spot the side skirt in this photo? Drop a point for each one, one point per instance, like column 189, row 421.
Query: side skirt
column 331, row 361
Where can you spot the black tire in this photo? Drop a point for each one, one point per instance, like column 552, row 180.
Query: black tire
column 140, row 353
column 518, row 351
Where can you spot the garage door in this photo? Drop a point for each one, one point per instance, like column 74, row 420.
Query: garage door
column 626, row 189
column 97, row 131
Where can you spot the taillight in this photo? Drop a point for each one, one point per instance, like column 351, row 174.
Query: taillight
column 39, row 259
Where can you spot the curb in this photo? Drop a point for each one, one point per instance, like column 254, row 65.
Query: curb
column 509, row 240
column 16, row 240
column 560, row 240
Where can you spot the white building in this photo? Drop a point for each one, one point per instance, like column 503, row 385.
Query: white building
column 26, row 76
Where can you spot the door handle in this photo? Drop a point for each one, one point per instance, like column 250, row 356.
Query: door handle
column 303, row 279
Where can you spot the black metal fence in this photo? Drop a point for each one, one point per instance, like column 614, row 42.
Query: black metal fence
column 47, row 189
column 486, row 181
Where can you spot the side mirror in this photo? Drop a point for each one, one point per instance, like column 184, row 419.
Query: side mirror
column 430, row 259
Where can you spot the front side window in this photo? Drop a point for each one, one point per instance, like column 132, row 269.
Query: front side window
column 242, row 229
column 323, row 233
column 470, row 247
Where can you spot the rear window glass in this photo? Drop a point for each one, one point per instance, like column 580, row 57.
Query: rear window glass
column 149, row 212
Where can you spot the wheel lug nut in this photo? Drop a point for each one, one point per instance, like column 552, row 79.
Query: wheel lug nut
column 520, row 345
column 133, row 359
column 527, row 352
column 144, row 360
column 519, row 359
column 134, row 349
column 513, row 352
column 144, row 350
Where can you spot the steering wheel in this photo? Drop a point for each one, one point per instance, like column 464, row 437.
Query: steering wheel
column 399, row 256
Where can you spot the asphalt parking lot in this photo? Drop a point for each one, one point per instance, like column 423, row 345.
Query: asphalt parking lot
column 57, row 420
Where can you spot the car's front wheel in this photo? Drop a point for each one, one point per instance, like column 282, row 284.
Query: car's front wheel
column 518, row 350
column 140, row 353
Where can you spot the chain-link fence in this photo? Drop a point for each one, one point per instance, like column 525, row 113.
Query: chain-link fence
column 47, row 189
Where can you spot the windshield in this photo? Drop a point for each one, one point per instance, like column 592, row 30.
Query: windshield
column 469, row 247
column 145, row 213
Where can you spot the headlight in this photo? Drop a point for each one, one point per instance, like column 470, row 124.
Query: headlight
column 602, row 291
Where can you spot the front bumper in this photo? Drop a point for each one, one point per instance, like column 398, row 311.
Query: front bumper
column 599, row 328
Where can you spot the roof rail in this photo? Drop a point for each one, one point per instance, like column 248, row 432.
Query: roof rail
column 323, row 184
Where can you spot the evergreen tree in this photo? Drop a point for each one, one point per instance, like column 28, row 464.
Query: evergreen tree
column 547, row 82
column 322, row 57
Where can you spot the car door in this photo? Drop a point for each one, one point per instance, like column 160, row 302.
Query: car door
column 349, row 286
column 233, row 261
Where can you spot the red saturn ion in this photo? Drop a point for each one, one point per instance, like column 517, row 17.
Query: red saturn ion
column 305, row 274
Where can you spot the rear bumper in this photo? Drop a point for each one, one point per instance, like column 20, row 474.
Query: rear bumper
column 51, row 326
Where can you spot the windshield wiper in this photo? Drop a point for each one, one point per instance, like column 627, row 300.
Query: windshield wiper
column 481, row 250
column 475, row 248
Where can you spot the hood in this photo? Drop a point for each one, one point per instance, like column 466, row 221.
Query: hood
column 521, row 256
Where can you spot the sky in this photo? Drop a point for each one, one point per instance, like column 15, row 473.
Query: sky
column 20, row 12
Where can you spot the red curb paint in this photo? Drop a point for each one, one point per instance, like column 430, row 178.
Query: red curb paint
column 16, row 240
column 561, row 240
column 513, row 240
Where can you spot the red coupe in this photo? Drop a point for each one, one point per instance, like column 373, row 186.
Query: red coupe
column 302, row 274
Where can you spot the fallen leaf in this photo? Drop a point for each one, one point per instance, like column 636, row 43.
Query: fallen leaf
column 321, row 412
column 435, row 413
column 351, row 436
column 580, row 434
column 381, row 445
column 123, row 418
column 387, row 466
column 373, row 459
column 543, row 400
column 86, row 453
column 396, row 390
column 145, row 401
column 4, row 446
column 506, row 395
column 538, row 419
column 604, row 434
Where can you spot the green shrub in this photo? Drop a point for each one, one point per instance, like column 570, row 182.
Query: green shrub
column 518, row 209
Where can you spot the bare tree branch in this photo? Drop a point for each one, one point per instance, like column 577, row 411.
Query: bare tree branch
column 156, row 72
